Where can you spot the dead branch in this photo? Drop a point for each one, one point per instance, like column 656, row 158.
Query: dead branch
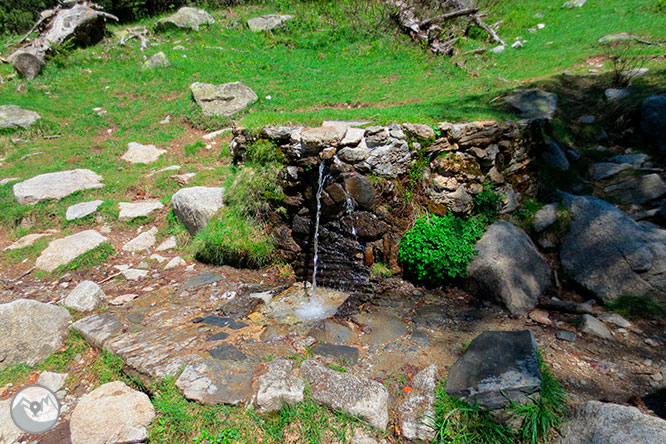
column 491, row 32
column 136, row 33
column 569, row 307
column 449, row 16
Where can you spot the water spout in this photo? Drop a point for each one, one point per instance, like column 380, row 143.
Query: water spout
column 322, row 179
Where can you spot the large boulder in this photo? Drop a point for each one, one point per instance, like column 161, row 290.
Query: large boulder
column 195, row 206
column 653, row 120
column 112, row 414
column 12, row 116
column 30, row 331
column 353, row 395
column 55, row 185
column 509, row 268
column 595, row 422
column 185, row 18
column 63, row 251
column 609, row 254
column 638, row 190
column 533, row 103
column 268, row 22
column 222, row 100
column 498, row 367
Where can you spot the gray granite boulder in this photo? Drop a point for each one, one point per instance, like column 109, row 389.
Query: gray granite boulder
column 268, row 22
column 609, row 254
column 638, row 190
column 595, row 422
column 496, row 368
column 83, row 209
column 508, row 268
column 87, row 296
column 278, row 387
column 222, row 100
column 196, row 206
column 30, row 331
column 185, row 18
column 63, row 251
column 55, row 185
column 12, row 116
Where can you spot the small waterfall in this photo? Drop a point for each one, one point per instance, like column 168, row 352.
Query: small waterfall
column 322, row 179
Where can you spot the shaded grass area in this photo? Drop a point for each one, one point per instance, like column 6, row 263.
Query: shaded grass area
column 634, row 307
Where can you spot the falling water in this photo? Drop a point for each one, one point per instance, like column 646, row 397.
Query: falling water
column 322, row 179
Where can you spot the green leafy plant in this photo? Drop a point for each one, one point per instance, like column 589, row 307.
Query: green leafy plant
column 440, row 247
column 661, row 5
column 194, row 148
column 225, row 436
column 487, row 204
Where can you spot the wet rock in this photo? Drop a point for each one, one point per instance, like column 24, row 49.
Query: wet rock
column 604, row 170
column 533, row 103
column 509, row 268
column 278, row 387
column 222, row 322
column 380, row 329
column 609, row 254
column 222, row 100
column 200, row 280
column 344, row 352
column 218, row 337
column 63, row 251
column 12, row 116
column 82, row 209
column 98, row 328
column 598, row 422
column 365, row 224
column 112, row 414
column 361, row 190
column 196, row 206
column 653, row 120
column 30, row 331
column 85, row 297
column 132, row 210
column 555, row 157
column 638, row 190
column 159, row 60
column 545, row 217
column 593, row 326
column 566, row 336
column 496, row 368
column 356, row 396
column 417, row 411
column 268, row 22
column 635, row 160
column 227, row 352
column 137, row 153
column 186, row 17
column 142, row 242
column 55, row 185
column 52, row 381
column 217, row 382
column 332, row 332
column 431, row 316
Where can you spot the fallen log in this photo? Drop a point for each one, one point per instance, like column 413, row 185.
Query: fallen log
column 569, row 307
column 80, row 24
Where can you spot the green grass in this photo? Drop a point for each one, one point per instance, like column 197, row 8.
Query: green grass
column 457, row 422
column 97, row 256
column 634, row 307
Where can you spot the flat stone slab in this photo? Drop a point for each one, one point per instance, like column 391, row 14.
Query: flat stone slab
column 638, row 190
column 222, row 100
column 227, row 352
column 278, row 387
column 497, row 367
column 137, row 153
column 55, row 185
column 185, row 18
column 217, row 382
column 142, row 242
column 12, row 116
column 336, row 351
column 82, row 209
column 219, row 321
column 112, row 413
column 200, row 280
column 268, row 22
column 354, row 395
column 26, row 241
column 30, row 331
column 604, row 170
column 131, row 210
column 167, row 244
column 98, row 328
column 63, row 251
column 533, row 103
